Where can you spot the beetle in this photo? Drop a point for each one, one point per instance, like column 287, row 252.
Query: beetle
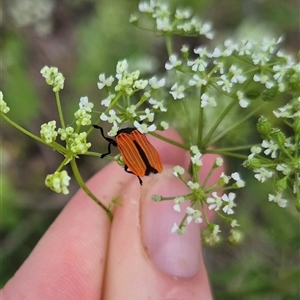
column 139, row 156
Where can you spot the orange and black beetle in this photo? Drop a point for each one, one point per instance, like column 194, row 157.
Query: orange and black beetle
column 139, row 156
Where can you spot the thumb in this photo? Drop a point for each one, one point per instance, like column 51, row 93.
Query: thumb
column 146, row 260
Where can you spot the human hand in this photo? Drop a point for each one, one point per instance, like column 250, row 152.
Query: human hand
column 84, row 255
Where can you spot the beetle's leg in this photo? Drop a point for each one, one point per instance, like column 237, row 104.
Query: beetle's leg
column 139, row 178
column 110, row 141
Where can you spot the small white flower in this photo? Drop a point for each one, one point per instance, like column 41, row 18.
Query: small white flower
column 143, row 128
column 225, row 83
column 178, row 171
column 106, row 102
column 164, row 125
column 178, row 200
column 242, row 100
column 278, row 199
column 206, row 30
column 239, row 182
column 196, row 160
column 157, row 104
column 133, row 18
column 219, row 161
column 230, row 204
column 197, row 81
column 245, row 47
column 194, row 149
column 112, row 118
column 178, row 230
column 156, row 84
column 182, row 13
column 147, row 7
column 193, row 185
column 104, row 81
column 140, row 84
column 173, row 62
column 122, row 66
column 263, row 174
column 214, row 202
column 224, row 177
column 113, row 131
column 260, row 58
column 234, row 223
column 184, row 49
column 197, row 65
column 254, row 150
column 264, row 79
column 177, row 91
column 85, row 104
column 271, row 147
column 207, row 101
column 236, row 73
column 131, row 109
column 194, row 214
column 163, row 24
column 284, row 169
column 148, row 115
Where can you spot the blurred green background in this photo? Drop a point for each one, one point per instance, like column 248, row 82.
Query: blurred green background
column 84, row 38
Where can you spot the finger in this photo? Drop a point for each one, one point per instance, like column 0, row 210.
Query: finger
column 146, row 260
column 68, row 262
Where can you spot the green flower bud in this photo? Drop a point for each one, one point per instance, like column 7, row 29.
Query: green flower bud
column 280, row 185
column 278, row 137
column 269, row 94
column 263, row 126
column 235, row 236
column 253, row 163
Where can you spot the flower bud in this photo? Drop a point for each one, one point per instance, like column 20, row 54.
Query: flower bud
column 235, row 236
column 280, row 185
column 253, row 163
column 263, row 126
column 278, row 137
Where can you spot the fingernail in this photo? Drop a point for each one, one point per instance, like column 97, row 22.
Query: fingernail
column 175, row 255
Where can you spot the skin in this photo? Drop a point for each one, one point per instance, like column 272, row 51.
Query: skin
column 83, row 255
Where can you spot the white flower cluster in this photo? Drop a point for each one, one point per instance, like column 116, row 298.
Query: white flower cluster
column 199, row 194
column 281, row 152
column 208, row 69
column 180, row 22
column 128, row 84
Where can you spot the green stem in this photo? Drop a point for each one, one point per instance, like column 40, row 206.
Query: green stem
column 217, row 123
column 86, row 190
column 169, row 141
column 169, row 44
column 8, row 120
column 219, row 136
column 60, row 113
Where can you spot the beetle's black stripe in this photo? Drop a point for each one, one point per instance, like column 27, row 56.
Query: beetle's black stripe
column 149, row 168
